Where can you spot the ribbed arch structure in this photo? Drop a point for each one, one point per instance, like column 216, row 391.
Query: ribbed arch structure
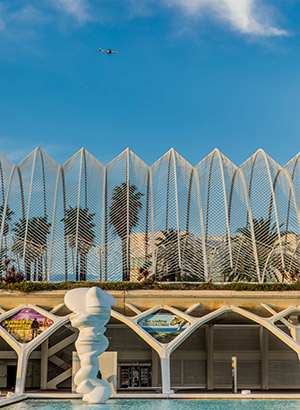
column 215, row 174
column 215, row 221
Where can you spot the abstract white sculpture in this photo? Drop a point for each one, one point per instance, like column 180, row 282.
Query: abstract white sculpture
column 92, row 307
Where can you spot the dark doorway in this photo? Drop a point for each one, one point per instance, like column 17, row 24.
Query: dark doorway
column 135, row 376
column 11, row 377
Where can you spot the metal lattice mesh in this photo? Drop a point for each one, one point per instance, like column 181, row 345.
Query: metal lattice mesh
column 292, row 217
column 215, row 174
column 167, row 235
column 215, row 221
column 190, row 233
column 7, row 170
column 139, row 243
column 243, row 246
column 116, row 226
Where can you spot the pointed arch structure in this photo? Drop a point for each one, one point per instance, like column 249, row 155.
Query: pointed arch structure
column 274, row 320
column 214, row 221
column 165, row 350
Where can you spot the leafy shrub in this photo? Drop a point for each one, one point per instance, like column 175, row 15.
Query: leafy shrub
column 27, row 287
column 11, row 275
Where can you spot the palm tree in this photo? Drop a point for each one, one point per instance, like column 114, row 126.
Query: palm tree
column 8, row 215
column 79, row 230
column 126, row 203
column 3, row 250
column 36, row 239
column 266, row 239
column 167, row 257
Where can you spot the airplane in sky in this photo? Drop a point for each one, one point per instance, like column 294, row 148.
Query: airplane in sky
column 108, row 51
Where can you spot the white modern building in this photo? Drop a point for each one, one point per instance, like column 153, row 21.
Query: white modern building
column 211, row 222
column 214, row 221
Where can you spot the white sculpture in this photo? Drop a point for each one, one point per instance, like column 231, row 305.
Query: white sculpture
column 92, row 307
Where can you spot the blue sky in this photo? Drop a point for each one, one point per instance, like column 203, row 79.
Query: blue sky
column 190, row 74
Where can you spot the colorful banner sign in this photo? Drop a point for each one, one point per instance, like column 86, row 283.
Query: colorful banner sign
column 26, row 325
column 163, row 325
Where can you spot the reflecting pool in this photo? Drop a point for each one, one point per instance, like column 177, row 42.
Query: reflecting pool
column 159, row 405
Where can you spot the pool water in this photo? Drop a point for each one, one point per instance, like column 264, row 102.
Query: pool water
column 159, row 405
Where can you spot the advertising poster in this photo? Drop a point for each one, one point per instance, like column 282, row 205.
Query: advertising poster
column 163, row 325
column 26, row 325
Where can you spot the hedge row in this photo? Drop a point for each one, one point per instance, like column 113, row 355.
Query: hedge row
column 27, row 287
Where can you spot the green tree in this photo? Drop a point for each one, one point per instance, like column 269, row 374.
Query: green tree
column 36, row 240
column 167, row 257
column 84, row 231
column 8, row 215
column 3, row 250
column 124, row 195
column 267, row 240
column 11, row 274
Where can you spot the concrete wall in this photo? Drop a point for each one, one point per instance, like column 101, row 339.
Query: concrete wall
column 145, row 299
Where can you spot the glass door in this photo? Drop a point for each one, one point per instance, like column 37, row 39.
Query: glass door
column 125, row 376
column 145, row 376
column 136, row 375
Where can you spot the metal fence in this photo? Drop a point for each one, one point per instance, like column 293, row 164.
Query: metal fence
column 211, row 222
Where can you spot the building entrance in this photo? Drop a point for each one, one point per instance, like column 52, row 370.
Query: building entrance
column 11, row 376
column 135, row 375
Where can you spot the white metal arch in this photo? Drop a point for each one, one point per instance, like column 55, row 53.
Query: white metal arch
column 275, row 210
column 201, row 225
column 177, row 208
column 217, row 153
column 29, row 203
column 225, row 205
column 59, row 175
column 14, row 169
column 292, row 196
column 292, row 190
column 254, row 158
column 239, row 171
column 288, row 171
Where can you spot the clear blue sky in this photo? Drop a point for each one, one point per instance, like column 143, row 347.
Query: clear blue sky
column 190, row 74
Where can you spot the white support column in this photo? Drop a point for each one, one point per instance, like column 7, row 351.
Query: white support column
column 165, row 372
column 21, row 371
